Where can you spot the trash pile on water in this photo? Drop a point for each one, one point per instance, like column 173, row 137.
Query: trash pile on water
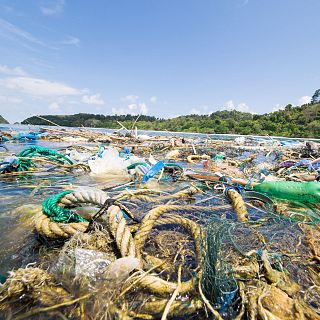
column 164, row 227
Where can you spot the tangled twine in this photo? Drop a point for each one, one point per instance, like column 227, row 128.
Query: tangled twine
column 129, row 245
column 33, row 285
column 35, row 151
column 238, row 204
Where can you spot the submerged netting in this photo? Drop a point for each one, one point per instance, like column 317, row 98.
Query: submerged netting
column 166, row 249
column 218, row 281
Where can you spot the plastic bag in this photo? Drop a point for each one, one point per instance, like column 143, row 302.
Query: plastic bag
column 120, row 269
column 109, row 162
column 90, row 263
column 78, row 156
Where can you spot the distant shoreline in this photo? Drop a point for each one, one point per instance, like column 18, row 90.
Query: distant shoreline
column 232, row 136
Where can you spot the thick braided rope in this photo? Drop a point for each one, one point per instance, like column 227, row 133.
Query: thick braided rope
column 143, row 198
column 51, row 229
column 132, row 193
column 186, row 193
column 126, row 245
column 121, row 232
column 122, row 235
column 180, row 195
column 118, row 228
column 238, row 204
column 153, row 283
column 193, row 229
column 117, row 222
column 92, row 196
column 151, row 217
column 178, row 308
column 55, row 206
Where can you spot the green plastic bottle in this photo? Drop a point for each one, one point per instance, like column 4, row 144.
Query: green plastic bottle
column 307, row 192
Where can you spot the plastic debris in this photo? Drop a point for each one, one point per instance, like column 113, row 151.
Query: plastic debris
column 195, row 225
column 109, row 162
column 120, row 269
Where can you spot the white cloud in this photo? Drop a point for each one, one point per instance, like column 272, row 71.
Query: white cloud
column 277, row 107
column 304, row 100
column 52, row 7
column 70, row 40
column 24, row 96
column 19, row 35
column 134, row 109
column 40, row 87
column 119, row 111
column 143, row 108
column 8, row 99
column 17, row 71
column 153, row 99
column 93, row 99
column 243, row 107
column 54, row 107
column 202, row 110
column 130, row 98
column 230, row 105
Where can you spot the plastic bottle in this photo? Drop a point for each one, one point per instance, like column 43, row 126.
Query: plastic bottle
column 291, row 190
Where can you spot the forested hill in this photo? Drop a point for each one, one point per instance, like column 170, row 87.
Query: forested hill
column 303, row 121
column 3, row 120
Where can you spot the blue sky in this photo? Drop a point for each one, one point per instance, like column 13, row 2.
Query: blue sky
column 162, row 58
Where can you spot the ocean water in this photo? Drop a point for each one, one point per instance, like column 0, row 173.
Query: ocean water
column 21, row 194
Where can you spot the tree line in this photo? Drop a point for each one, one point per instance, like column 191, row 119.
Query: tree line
column 300, row 121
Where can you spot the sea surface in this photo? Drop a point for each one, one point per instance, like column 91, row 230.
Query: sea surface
column 21, row 194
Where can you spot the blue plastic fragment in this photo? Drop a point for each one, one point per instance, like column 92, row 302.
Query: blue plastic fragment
column 265, row 171
column 226, row 299
column 2, row 279
column 126, row 150
column 153, row 171
column 4, row 139
column 100, row 151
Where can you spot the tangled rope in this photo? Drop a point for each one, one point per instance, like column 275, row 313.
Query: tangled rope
column 52, row 222
column 58, row 213
column 33, row 285
column 57, row 221
column 127, row 245
column 37, row 151
column 191, row 158
column 238, row 204
column 14, row 164
column 148, row 195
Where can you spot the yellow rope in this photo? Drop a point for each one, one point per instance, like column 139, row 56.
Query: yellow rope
column 191, row 158
column 238, row 204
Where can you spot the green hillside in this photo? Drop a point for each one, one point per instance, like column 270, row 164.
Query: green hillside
column 301, row 121
column 3, row 120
